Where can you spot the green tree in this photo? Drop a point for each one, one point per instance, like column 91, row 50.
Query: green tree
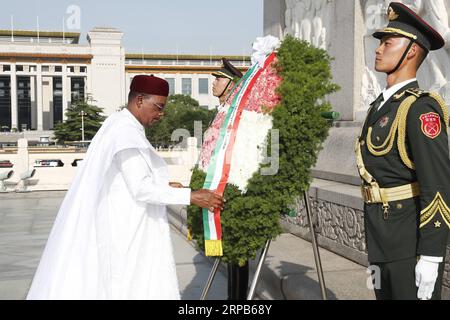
column 70, row 130
column 181, row 112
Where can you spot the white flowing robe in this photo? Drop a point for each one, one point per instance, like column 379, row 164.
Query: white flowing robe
column 111, row 237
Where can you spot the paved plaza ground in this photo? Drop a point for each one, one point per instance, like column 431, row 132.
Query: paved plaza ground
column 26, row 221
column 289, row 272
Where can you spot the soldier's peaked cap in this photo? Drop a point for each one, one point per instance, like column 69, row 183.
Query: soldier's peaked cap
column 406, row 23
column 228, row 71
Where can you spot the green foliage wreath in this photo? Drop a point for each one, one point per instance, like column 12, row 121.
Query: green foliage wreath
column 249, row 219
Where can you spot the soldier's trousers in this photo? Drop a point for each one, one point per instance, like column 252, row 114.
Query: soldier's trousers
column 238, row 281
column 398, row 280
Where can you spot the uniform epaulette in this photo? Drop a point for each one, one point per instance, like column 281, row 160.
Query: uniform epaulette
column 433, row 95
column 411, row 92
column 417, row 92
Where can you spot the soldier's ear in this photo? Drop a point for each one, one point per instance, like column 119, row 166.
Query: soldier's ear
column 418, row 53
column 414, row 51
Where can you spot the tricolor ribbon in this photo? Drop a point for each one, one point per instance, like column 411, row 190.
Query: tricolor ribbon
column 220, row 165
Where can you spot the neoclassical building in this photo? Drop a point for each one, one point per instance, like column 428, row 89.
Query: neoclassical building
column 42, row 73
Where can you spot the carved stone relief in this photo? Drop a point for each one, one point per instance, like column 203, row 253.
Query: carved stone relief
column 308, row 20
column 435, row 72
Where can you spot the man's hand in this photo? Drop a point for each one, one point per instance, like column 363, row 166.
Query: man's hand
column 426, row 276
column 176, row 185
column 207, row 199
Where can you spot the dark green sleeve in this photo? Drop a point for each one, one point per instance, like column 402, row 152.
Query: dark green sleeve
column 428, row 143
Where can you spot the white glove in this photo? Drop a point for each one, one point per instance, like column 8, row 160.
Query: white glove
column 426, row 276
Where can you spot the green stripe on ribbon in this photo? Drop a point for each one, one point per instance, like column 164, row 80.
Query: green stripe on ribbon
column 212, row 168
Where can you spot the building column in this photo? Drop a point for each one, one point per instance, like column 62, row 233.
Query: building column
column 39, row 99
column 86, row 89
column 178, row 83
column 65, row 91
column 14, row 104
column 123, row 75
column 88, row 81
column 195, row 87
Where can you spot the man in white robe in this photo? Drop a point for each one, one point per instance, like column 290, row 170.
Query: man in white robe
column 111, row 236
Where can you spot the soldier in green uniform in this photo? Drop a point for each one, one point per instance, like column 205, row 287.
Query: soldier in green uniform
column 403, row 160
column 226, row 78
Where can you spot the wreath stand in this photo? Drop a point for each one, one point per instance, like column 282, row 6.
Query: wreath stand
column 263, row 257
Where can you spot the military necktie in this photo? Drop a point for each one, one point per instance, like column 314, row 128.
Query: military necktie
column 375, row 106
column 377, row 103
column 372, row 110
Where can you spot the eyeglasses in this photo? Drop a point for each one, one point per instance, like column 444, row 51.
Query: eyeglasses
column 159, row 106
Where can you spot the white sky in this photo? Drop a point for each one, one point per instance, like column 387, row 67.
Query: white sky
column 156, row 26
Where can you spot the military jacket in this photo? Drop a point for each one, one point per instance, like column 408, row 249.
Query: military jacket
column 398, row 153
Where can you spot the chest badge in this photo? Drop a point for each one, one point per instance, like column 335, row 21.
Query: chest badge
column 384, row 122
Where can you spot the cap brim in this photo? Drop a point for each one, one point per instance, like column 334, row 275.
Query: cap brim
column 379, row 34
column 220, row 74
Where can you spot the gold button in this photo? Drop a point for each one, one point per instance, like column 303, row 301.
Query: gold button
column 378, row 138
column 399, row 206
column 363, row 143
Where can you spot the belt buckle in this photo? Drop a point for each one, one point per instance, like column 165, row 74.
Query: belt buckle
column 367, row 194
